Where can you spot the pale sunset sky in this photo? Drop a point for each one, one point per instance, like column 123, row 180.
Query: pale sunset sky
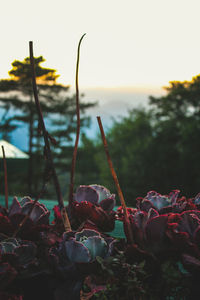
column 132, row 48
column 129, row 43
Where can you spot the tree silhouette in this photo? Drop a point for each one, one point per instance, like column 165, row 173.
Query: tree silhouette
column 16, row 98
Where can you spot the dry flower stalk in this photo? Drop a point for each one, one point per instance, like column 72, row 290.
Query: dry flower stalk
column 5, row 177
column 114, row 175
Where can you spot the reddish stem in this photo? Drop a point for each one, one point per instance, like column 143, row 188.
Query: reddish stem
column 47, row 144
column 73, row 165
column 5, row 177
column 114, row 175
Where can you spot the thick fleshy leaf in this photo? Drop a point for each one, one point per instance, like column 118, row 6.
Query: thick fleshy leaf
column 140, row 219
column 16, row 219
column 85, row 233
column 138, row 223
column 44, row 219
column 9, row 245
column 103, row 192
column 191, row 262
column 39, row 213
column 96, row 246
column 155, row 229
column 87, row 211
column 43, row 206
column 26, row 253
column 197, row 199
column 190, row 221
column 137, row 232
column 152, row 213
column 86, row 193
column 36, row 213
column 145, row 205
column 108, row 204
column 50, row 238
column 197, row 236
column 173, row 196
column 25, row 200
column 15, row 207
column 83, row 210
column 157, row 200
column 5, row 225
column 77, row 252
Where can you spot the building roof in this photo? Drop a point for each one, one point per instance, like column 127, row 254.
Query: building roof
column 11, row 151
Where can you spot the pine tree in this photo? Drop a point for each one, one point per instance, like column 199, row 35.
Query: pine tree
column 16, row 99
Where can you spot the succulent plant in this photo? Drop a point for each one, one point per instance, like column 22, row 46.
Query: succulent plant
column 149, row 230
column 21, row 253
column 36, row 222
column 167, row 203
column 94, row 203
column 185, row 232
column 85, row 246
column 39, row 214
column 161, row 203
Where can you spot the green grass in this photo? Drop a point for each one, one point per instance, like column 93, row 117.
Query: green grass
column 118, row 232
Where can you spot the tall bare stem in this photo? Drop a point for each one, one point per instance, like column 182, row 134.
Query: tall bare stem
column 116, row 181
column 73, row 165
column 5, row 177
column 47, row 144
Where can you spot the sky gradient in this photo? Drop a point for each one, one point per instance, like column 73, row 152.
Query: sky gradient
column 131, row 50
column 129, row 43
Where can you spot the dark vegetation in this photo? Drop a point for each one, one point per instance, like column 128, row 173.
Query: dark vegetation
column 59, row 109
column 154, row 149
column 160, row 257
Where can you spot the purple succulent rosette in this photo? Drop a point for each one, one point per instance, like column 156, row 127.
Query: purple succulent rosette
column 37, row 221
column 167, row 203
column 19, row 252
column 196, row 201
column 39, row 214
column 95, row 203
column 149, row 230
column 96, row 194
column 85, row 246
column 166, row 224
column 16, row 256
column 185, row 233
column 161, row 203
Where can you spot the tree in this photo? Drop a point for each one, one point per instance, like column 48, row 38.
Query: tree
column 181, row 101
column 177, row 130
column 129, row 140
column 16, row 97
column 158, row 149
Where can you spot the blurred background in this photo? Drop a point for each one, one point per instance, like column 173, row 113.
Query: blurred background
column 139, row 71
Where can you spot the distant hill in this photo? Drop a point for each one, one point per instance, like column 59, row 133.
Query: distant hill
column 112, row 103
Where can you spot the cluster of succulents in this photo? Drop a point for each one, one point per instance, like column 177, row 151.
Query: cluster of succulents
column 165, row 240
column 94, row 204
column 92, row 207
column 159, row 259
column 164, row 225
column 38, row 248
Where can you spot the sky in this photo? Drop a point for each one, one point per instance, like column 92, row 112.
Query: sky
column 131, row 49
column 129, row 43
